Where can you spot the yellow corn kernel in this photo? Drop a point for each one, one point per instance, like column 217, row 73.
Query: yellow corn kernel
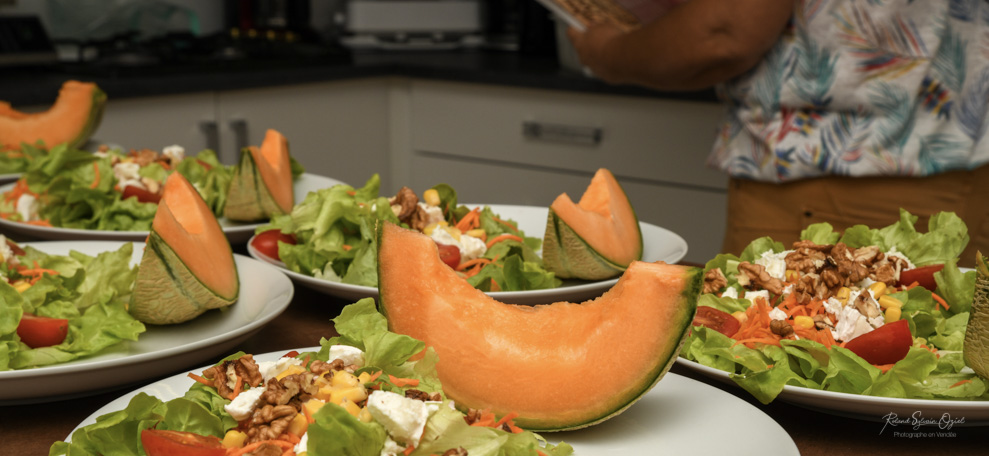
column 234, row 439
column 892, row 314
column 878, row 289
column 428, row 230
column 791, row 276
column 888, row 301
column 21, row 286
column 740, row 315
column 432, row 197
column 843, row 294
column 478, row 233
column 298, row 425
column 803, row 321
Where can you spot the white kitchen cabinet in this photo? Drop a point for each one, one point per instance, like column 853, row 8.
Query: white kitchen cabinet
column 523, row 146
column 335, row 129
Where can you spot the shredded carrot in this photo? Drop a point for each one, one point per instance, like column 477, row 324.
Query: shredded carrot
column 238, row 387
column 503, row 237
column 251, row 447
column 914, row 284
column 352, row 192
column 289, row 452
column 400, row 382
column 408, row 450
column 375, row 376
column 96, row 180
column 961, row 382
column 20, row 188
column 509, row 225
column 751, row 342
column 940, row 301
column 507, row 419
column 470, row 221
column 290, row 437
column 39, row 223
column 884, row 368
column 347, row 247
column 495, row 286
column 37, row 271
column 200, row 379
column 475, row 261
column 540, row 453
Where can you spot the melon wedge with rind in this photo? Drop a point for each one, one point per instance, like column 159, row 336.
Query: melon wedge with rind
column 560, row 366
column 596, row 238
column 261, row 186
column 71, row 119
column 188, row 266
column 976, row 348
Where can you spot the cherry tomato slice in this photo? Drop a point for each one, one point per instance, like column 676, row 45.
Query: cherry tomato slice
column 175, row 443
column 38, row 331
column 720, row 321
column 141, row 194
column 267, row 242
column 450, row 254
column 886, row 344
column 924, row 276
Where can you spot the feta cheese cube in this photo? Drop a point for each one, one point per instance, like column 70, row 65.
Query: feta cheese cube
column 349, row 355
column 270, row 369
column 403, row 418
column 243, row 405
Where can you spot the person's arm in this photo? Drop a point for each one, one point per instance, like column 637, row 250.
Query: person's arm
column 695, row 45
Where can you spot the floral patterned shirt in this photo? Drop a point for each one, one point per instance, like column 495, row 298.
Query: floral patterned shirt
column 860, row 88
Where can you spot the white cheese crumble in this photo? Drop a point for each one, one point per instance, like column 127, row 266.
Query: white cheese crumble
column 752, row 295
column 349, row 355
column 127, row 174
column 403, row 418
column 470, row 246
column 730, row 292
column 433, row 213
column 851, row 323
column 241, row 407
column 303, row 444
column 777, row 314
column 5, row 250
column 775, row 263
column 893, row 252
column 175, row 153
column 270, row 369
column 27, row 207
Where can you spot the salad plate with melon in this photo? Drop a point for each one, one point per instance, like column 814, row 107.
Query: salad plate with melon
column 865, row 322
column 110, row 313
column 520, row 254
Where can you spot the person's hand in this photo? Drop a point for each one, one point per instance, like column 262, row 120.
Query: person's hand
column 594, row 46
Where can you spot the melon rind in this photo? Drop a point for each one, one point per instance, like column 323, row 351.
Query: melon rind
column 166, row 291
column 17, row 128
column 570, row 257
column 419, row 294
column 976, row 348
column 248, row 198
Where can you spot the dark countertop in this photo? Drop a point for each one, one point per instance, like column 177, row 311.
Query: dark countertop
column 39, row 85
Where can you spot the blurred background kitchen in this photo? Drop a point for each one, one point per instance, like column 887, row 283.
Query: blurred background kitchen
column 482, row 94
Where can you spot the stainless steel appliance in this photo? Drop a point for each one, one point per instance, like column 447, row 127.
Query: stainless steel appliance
column 413, row 24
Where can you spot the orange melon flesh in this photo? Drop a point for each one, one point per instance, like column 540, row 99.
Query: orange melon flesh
column 275, row 168
column 560, row 366
column 71, row 119
column 189, row 227
column 603, row 219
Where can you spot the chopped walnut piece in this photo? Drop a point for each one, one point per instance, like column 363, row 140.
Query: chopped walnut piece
column 822, row 321
column 753, row 276
column 404, row 204
column 714, row 281
column 269, row 422
column 422, row 395
column 144, row 157
column 780, row 328
column 266, row 449
column 222, row 375
column 865, row 307
column 459, row 451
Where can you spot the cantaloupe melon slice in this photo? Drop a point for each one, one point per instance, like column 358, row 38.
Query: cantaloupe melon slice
column 976, row 349
column 72, row 119
column 262, row 181
column 188, row 266
column 559, row 366
column 596, row 238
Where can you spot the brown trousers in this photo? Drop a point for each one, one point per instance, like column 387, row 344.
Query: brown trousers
column 781, row 211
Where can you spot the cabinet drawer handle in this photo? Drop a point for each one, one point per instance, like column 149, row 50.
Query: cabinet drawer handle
column 212, row 134
column 563, row 133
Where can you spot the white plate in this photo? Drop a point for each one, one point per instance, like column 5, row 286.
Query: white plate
column 658, row 244
column 161, row 350
column 870, row 408
column 5, row 178
column 675, row 417
column 237, row 233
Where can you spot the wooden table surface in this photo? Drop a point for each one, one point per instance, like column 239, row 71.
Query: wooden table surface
column 31, row 429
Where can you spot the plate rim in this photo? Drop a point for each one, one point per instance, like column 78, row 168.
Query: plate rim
column 350, row 290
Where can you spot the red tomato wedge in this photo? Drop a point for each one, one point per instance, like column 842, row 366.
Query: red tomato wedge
column 450, row 254
column 923, row 275
column 175, row 443
column 141, row 194
column 720, row 321
column 267, row 242
column 886, row 344
column 38, row 331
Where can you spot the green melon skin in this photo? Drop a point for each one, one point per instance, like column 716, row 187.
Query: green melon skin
column 93, row 121
column 248, row 198
column 166, row 292
column 686, row 309
column 570, row 257
column 976, row 348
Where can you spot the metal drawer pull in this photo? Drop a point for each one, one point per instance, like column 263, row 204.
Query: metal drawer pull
column 212, row 134
column 562, row 133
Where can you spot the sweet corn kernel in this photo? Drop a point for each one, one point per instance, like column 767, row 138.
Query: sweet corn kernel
column 740, row 315
column 843, row 294
column 478, row 233
column 803, row 321
column 878, row 289
column 234, row 439
column 21, row 286
column 892, row 314
column 432, row 197
column 888, row 301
